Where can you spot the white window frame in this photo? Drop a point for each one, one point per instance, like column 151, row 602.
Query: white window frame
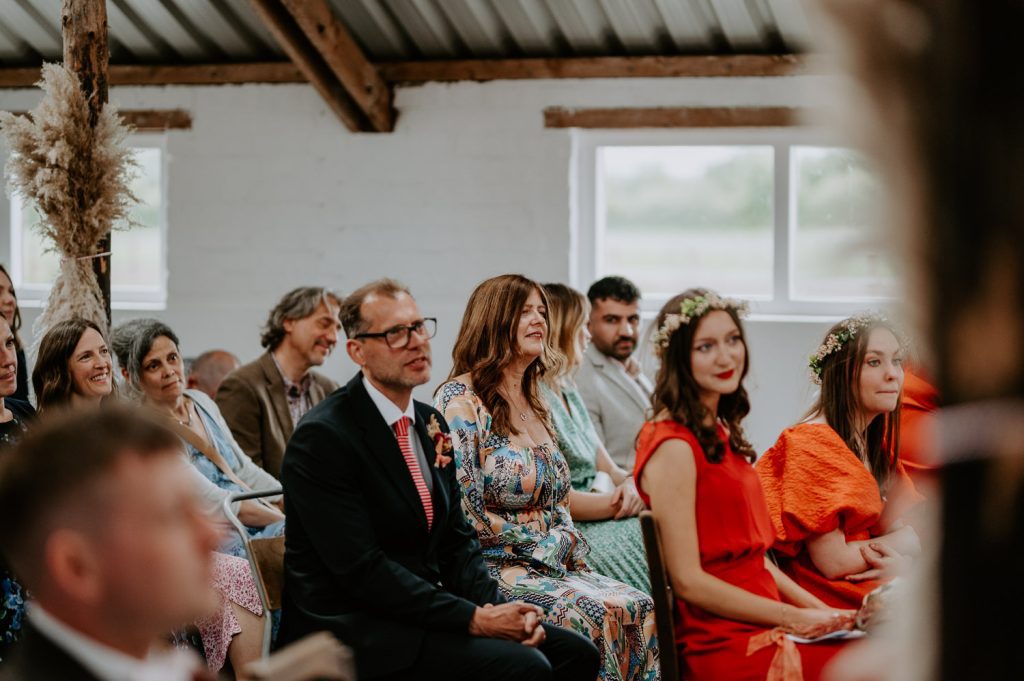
column 587, row 223
column 122, row 297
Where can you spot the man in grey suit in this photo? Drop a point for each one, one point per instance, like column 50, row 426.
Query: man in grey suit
column 615, row 391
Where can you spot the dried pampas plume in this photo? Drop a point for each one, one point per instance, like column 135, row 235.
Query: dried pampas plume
column 78, row 177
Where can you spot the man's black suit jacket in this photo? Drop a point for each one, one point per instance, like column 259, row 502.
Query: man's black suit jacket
column 359, row 560
column 36, row 658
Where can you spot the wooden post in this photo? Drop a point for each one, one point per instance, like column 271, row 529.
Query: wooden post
column 84, row 28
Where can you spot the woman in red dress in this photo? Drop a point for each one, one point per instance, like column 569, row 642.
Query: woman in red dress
column 693, row 469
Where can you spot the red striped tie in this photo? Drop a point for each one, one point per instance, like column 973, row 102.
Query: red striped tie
column 401, row 429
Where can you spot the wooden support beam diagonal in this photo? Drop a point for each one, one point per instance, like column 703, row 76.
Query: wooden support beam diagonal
column 293, row 41
column 346, row 60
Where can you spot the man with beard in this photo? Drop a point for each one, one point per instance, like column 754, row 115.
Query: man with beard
column 616, row 393
column 264, row 400
column 378, row 550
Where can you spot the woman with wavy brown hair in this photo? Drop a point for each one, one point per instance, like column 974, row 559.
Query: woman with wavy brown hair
column 835, row 487
column 693, row 469
column 516, row 482
column 10, row 310
column 73, row 367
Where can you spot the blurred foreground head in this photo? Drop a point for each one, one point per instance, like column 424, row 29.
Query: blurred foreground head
column 945, row 117
column 106, row 531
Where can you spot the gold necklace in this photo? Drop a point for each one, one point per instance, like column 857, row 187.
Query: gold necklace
column 523, row 415
column 187, row 424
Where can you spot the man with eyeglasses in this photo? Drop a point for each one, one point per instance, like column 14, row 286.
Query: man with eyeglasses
column 378, row 550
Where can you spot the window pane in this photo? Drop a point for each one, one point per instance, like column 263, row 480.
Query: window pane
column 676, row 217
column 137, row 257
column 836, row 252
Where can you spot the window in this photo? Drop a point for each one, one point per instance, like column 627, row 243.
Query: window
column 779, row 217
column 138, row 260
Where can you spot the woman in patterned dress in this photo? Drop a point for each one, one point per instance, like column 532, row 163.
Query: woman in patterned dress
column 14, row 418
column 516, row 483
column 605, row 514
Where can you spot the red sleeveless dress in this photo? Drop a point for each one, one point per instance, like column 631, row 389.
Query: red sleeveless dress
column 734, row 532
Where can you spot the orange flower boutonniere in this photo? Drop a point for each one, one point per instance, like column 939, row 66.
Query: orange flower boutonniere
column 442, row 443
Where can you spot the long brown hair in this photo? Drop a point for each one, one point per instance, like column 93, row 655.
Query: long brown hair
column 51, row 377
column 567, row 312
column 16, row 322
column 676, row 391
column 486, row 346
column 839, row 403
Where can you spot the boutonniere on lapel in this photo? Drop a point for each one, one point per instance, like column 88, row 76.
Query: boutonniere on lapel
column 442, row 443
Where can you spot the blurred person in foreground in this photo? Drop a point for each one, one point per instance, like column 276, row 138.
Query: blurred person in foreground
column 945, row 120
column 114, row 560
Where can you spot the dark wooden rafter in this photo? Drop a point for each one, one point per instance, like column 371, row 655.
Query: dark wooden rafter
column 674, row 117
column 183, row 74
column 321, row 47
column 86, row 54
column 731, row 66
column 151, row 120
column 346, row 60
column 741, row 66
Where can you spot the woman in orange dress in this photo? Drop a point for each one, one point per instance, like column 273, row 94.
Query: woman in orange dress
column 834, row 484
column 693, row 469
column 918, row 439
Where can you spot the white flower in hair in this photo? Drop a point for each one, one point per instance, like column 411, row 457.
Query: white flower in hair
column 835, row 341
column 690, row 309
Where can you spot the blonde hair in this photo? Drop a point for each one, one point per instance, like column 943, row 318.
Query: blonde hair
column 567, row 310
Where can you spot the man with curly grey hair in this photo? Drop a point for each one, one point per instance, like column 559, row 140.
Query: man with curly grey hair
column 264, row 400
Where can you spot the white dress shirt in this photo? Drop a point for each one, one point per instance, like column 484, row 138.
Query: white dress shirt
column 108, row 664
column 392, row 413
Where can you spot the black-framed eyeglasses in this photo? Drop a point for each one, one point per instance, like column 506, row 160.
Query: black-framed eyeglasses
column 397, row 337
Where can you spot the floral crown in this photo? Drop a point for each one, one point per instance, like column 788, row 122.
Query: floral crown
column 693, row 308
column 835, row 341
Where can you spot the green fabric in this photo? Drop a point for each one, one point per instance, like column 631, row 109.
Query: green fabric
column 577, row 437
column 616, row 546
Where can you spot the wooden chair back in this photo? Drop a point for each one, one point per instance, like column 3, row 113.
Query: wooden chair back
column 664, row 599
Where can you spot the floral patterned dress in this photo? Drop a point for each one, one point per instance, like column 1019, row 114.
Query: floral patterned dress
column 12, row 605
column 516, row 498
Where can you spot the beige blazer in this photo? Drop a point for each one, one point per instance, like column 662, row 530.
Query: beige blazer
column 253, row 402
column 618, row 404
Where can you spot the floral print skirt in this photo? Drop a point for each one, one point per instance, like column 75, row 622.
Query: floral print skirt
column 12, row 611
column 618, row 618
column 233, row 579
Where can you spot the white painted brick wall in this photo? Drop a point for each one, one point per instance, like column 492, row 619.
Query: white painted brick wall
column 268, row 191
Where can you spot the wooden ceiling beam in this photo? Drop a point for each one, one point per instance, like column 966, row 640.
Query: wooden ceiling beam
column 346, row 59
column 729, row 66
column 675, row 117
column 186, row 74
column 150, row 120
column 311, row 63
column 743, row 66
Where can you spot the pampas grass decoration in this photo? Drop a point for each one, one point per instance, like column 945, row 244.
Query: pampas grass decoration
column 78, row 177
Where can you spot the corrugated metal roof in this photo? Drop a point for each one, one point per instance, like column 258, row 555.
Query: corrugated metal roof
column 214, row 31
